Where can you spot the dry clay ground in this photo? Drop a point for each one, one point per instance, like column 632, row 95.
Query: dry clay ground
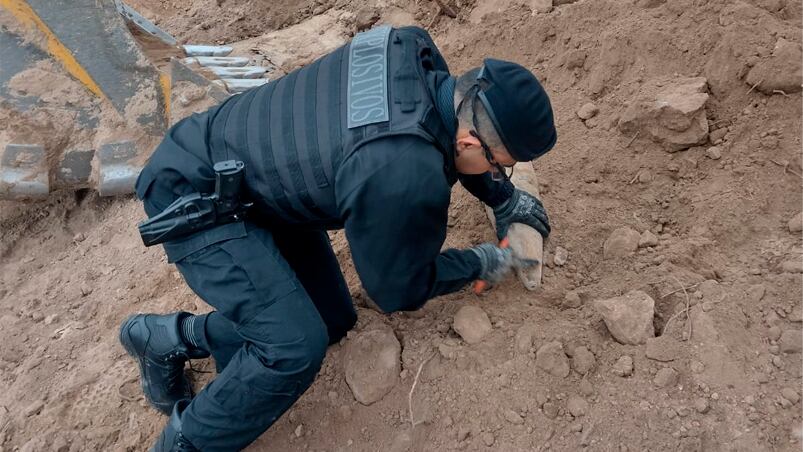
column 544, row 371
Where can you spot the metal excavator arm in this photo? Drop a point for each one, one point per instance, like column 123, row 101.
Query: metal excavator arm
column 82, row 101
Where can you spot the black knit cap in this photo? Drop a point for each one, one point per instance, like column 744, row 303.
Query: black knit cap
column 519, row 108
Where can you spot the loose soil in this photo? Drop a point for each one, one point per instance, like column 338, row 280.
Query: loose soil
column 73, row 268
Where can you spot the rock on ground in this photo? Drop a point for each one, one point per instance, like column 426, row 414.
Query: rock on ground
column 666, row 377
column 577, row 406
column 572, row 300
column 671, row 113
column 647, row 239
column 372, row 364
column 790, row 394
column 621, row 243
column 583, row 360
column 561, row 256
column 541, row 6
column 782, row 71
column 472, row 324
column 551, row 358
column 629, row 317
column 714, row 153
column 587, row 111
column 796, row 223
column 623, row 366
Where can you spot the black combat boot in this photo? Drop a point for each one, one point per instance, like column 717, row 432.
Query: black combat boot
column 154, row 340
column 171, row 439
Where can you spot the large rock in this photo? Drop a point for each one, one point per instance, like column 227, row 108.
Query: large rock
column 551, row 358
column 671, row 113
column 629, row 317
column 621, row 243
column 372, row 364
column 472, row 324
column 782, row 71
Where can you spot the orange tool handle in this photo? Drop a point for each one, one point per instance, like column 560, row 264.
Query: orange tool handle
column 480, row 285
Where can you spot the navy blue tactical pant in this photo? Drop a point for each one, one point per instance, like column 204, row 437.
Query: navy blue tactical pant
column 280, row 299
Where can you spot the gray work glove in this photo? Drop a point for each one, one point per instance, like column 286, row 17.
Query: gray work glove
column 522, row 207
column 496, row 262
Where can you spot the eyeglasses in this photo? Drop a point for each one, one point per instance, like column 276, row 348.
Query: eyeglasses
column 498, row 172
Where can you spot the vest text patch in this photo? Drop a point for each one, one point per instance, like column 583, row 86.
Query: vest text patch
column 367, row 94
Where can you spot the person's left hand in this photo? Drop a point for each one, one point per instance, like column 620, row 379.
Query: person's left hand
column 524, row 208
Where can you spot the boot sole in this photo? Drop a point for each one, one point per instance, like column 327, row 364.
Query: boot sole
column 128, row 345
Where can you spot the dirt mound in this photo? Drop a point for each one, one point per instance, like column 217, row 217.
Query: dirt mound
column 712, row 245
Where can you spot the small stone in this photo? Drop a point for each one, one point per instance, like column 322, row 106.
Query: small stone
column 472, row 324
column 576, row 427
column 366, row 17
column 488, row 439
column 623, row 366
column 51, row 319
column 37, row 316
column 577, row 406
column 717, row 135
column 777, row 362
column 629, row 317
column 561, row 256
column 647, row 239
column 372, row 364
column 541, row 6
column 796, row 316
column 774, row 333
column 587, row 111
column 790, row 394
column 551, row 358
column 572, row 300
column 80, row 237
column 774, row 349
column 550, row 410
column 512, row 416
column 299, row 430
column 796, row 223
column 34, row 408
column 621, row 243
column 714, row 153
column 791, row 341
column 85, row 290
column 762, row 378
column 448, row 421
column 666, row 377
column 701, row 405
column 583, row 360
column 662, row 348
column 585, row 388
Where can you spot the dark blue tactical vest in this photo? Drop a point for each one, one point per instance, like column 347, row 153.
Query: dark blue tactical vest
column 293, row 133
